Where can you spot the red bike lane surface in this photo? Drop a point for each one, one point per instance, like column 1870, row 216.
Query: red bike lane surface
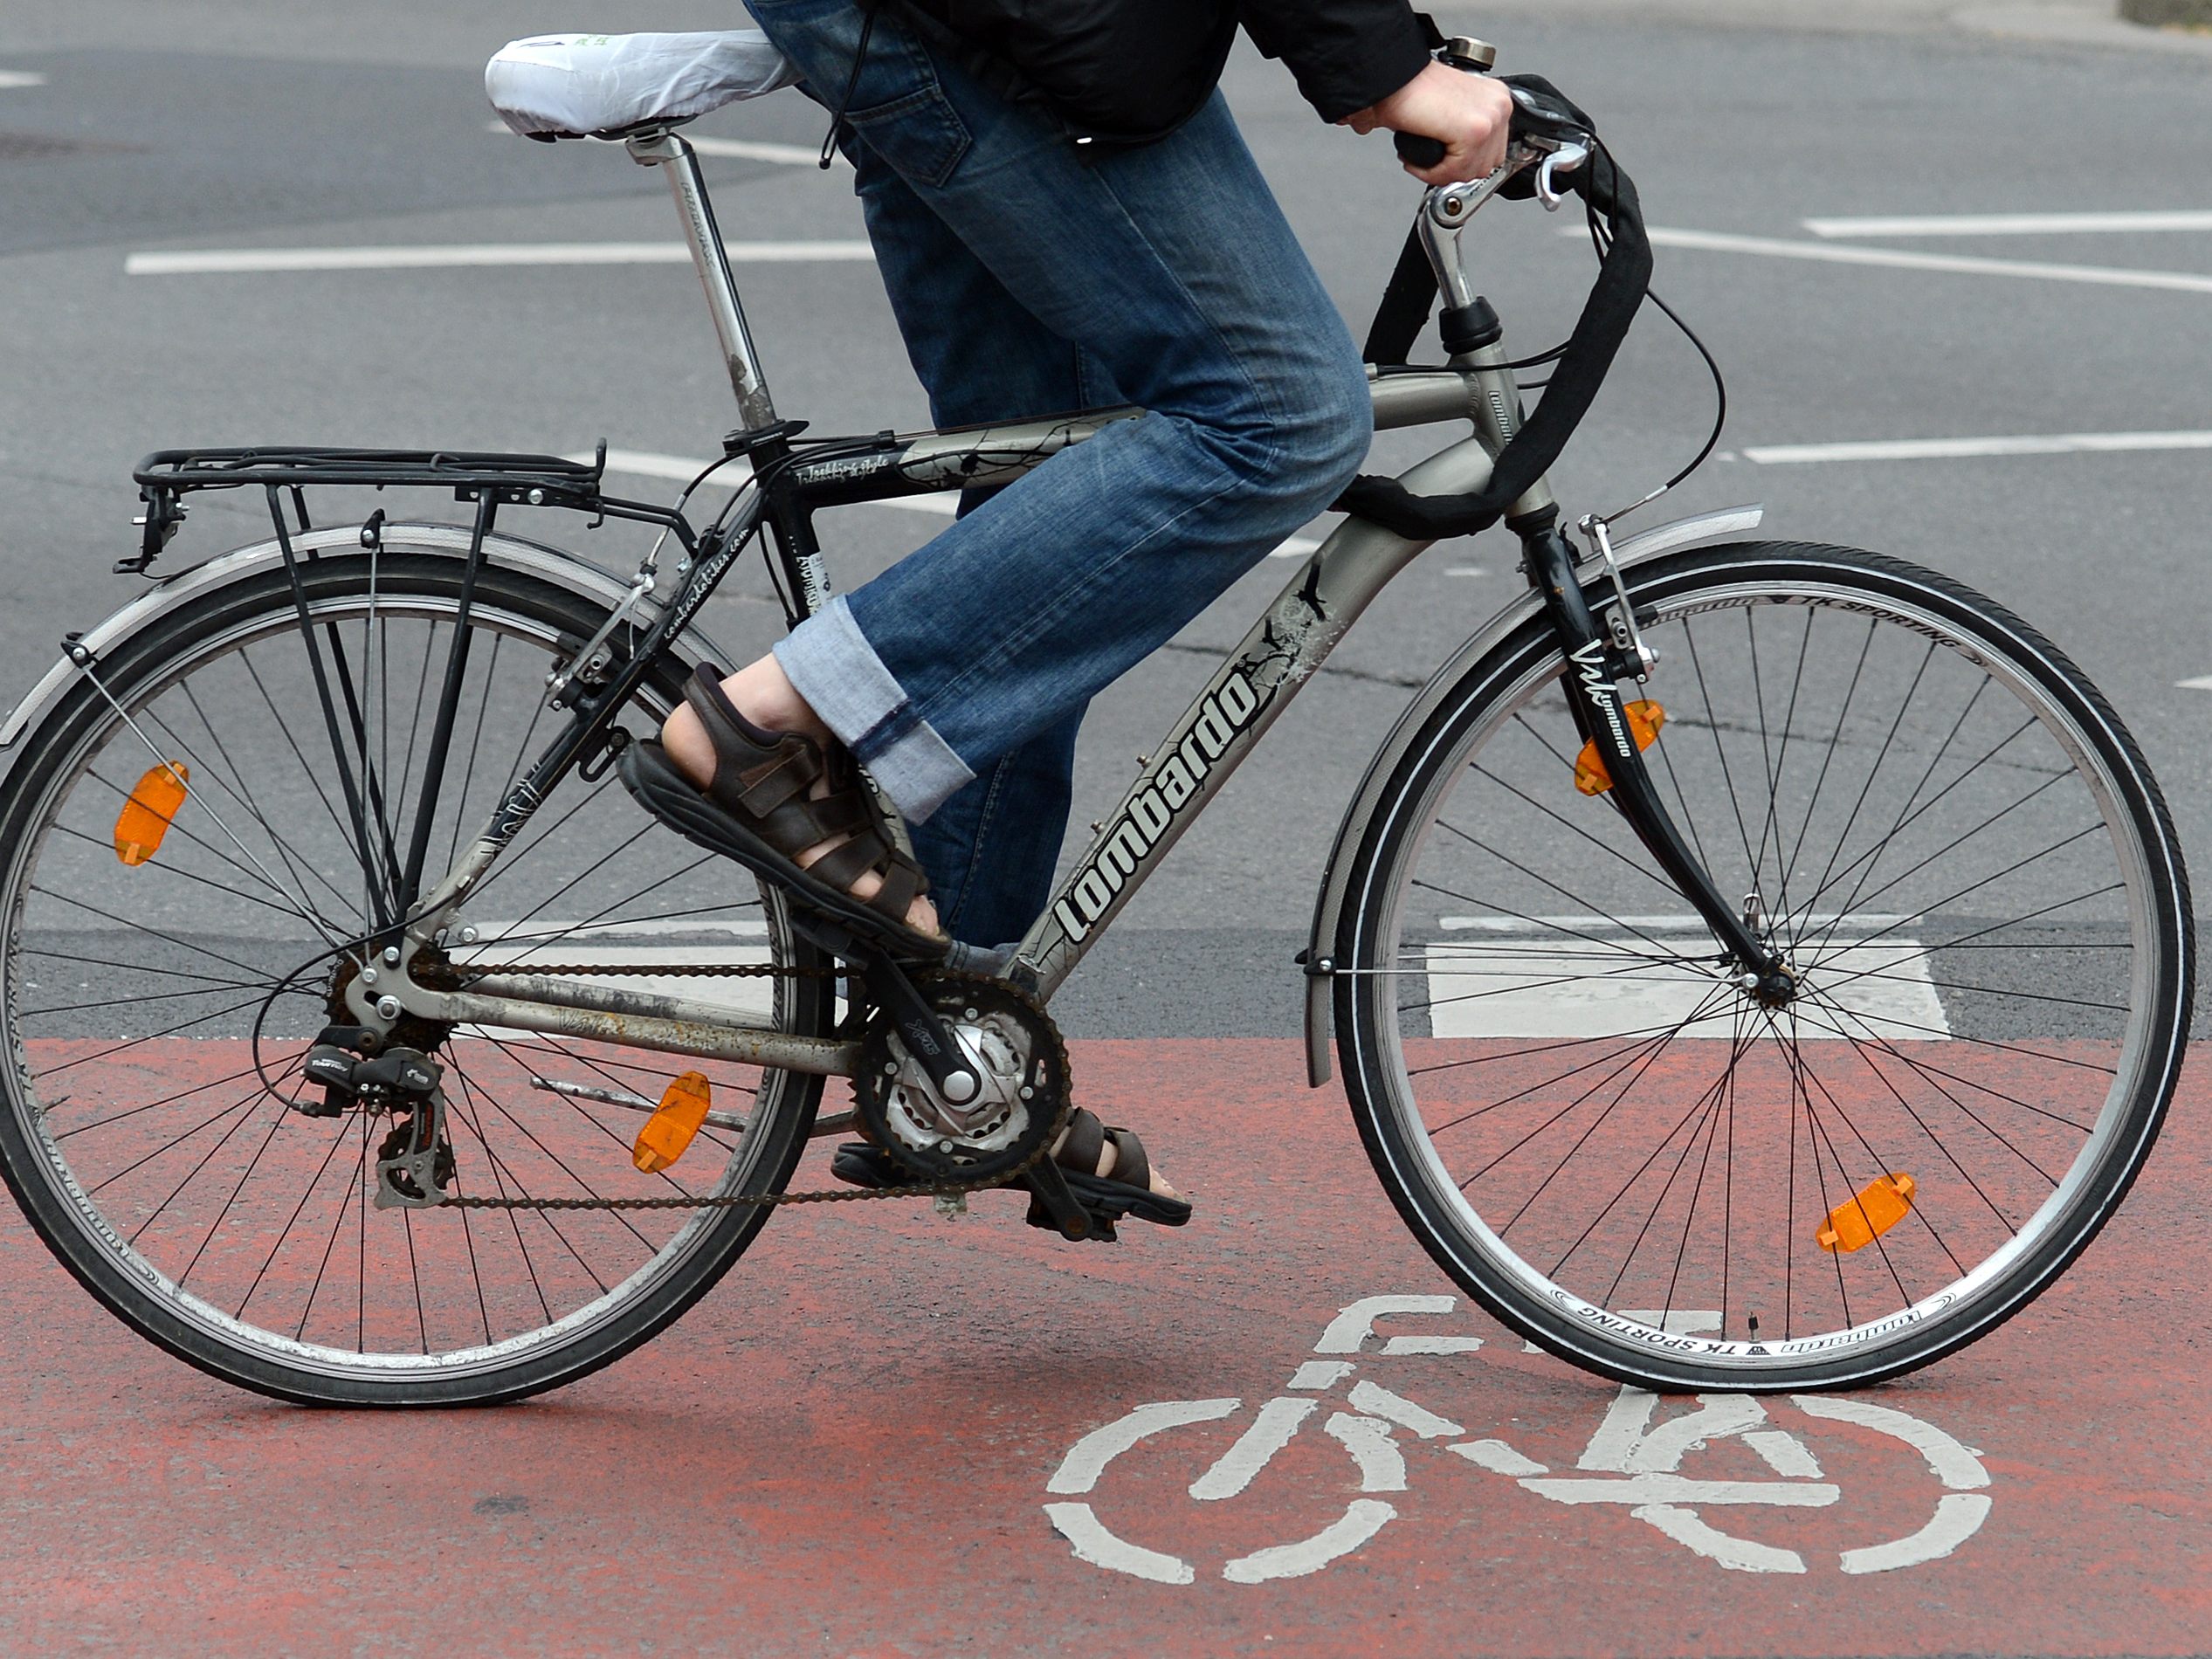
column 851, row 1445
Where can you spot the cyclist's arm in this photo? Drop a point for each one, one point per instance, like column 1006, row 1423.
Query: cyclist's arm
column 1347, row 55
column 1366, row 63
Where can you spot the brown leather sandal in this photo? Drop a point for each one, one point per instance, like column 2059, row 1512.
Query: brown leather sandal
column 758, row 809
column 1108, row 1198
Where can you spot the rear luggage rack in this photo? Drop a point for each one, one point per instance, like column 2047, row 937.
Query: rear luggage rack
column 489, row 478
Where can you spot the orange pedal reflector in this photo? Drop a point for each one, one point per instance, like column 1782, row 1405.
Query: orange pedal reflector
column 1644, row 721
column 151, row 811
column 667, row 1134
column 1880, row 1204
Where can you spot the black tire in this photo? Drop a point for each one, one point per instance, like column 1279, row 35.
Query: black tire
column 212, row 644
column 2006, row 1074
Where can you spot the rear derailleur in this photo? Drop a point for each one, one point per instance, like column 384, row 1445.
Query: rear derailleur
column 415, row 1162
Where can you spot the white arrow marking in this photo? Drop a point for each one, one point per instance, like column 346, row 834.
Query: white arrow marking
column 1366, row 1517
column 1088, row 1458
column 1092, row 1543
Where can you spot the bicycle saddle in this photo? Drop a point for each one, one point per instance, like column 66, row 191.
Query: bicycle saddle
column 577, row 85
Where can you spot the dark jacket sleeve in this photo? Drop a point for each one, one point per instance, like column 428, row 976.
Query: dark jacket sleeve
column 1346, row 54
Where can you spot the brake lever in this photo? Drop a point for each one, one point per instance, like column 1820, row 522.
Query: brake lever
column 1565, row 158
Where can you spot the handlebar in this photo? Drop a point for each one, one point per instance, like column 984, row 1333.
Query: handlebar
column 1542, row 120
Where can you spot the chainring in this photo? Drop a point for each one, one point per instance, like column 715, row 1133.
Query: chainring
column 1016, row 1049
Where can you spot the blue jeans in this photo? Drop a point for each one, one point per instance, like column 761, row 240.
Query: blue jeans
column 1029, row 279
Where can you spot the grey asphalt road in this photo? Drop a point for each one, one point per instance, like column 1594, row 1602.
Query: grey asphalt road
column 130, row 127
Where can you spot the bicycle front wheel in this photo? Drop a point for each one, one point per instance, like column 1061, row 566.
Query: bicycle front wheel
column 1604, row 1137
column 169, row 959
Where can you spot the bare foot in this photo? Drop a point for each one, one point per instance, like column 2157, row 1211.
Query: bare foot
column 763, row 695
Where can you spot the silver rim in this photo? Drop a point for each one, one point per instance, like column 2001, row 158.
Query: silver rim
column 1618, row 1137
column 133, row 1067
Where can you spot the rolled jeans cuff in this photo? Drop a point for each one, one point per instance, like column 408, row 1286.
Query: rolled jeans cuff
column 832, row 664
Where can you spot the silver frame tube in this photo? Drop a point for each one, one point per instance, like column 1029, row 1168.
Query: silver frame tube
column 679, row 164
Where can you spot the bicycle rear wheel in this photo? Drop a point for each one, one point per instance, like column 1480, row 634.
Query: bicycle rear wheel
column 159, row 998
column 1972, row 876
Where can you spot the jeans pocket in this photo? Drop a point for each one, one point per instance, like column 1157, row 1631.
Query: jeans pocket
column 920, row 134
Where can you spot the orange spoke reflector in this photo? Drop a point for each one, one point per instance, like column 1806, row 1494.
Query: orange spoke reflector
column 667, row 1134
column 151, row 811
column 1881, row 1204
column 1644, row 721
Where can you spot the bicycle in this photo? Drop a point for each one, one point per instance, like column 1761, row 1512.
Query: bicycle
column 337, row 975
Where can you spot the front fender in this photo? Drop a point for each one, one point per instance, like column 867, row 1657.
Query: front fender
column 512, row 553
column 1320, row 944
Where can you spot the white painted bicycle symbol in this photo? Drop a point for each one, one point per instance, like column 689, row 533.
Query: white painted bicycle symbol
column 1632, row 1460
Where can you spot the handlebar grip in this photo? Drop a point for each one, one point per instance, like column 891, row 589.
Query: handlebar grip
column 1416, row 150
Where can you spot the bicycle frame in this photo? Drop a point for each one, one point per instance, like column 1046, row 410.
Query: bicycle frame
column 1242, row 701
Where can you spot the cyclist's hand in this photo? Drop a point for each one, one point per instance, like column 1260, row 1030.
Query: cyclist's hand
column 1471, row 115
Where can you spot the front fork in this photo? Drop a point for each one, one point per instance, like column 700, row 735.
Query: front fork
column 1594, row 670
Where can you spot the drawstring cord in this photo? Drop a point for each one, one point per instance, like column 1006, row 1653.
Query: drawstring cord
column 844, row 100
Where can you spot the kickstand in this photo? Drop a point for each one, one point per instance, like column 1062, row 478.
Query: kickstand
column 1051, row 1188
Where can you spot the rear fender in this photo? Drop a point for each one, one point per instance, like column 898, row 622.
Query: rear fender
column 510, row 553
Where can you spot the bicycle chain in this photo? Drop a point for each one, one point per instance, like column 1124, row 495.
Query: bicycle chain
column 771, row 1201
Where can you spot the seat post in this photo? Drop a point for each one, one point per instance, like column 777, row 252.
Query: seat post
column 677, row 159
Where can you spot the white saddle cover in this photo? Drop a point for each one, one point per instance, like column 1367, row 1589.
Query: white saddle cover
column 570, row 85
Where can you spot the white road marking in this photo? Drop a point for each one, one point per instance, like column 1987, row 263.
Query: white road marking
column 1738, row 1554
column 1382, row 1466
column 1950, row 1462
column 1952, row 449
column 1380, row 1402
column 1081, row 1527
column 226, row 261
column 2013, row 223
column 647, row 463
column 1498, row 1457
column 1366, row 1517
column 20, row 77
column 2201, row 683
column 1958, row 1517
column 1625, row 1443
column 1465, row 571
column 1677, row 1489
column 1321, row 1374
column 1432, row 1345
column 1560, row 984
column 1270, row 1431
column 1088, row 1458
column 1962, row 265
column 1355, row 1322
column 1785, row 1453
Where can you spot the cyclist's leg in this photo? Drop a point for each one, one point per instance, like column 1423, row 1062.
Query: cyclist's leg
column 990, row 850
column 1172, row 268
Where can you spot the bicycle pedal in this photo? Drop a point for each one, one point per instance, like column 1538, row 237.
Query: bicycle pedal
column 1053, row 1205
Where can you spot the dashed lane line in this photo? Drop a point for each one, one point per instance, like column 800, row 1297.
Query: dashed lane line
column 233, row 261
column 2014, row 223
column 1902, row 259
column 1947, row 449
